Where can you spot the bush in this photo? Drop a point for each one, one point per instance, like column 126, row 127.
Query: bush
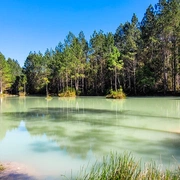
column 22, row 94
column 69, row 92
column 119, row 94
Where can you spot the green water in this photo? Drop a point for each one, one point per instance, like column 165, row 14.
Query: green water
column 60, row 136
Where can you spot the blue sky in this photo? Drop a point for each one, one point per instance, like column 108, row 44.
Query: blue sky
column 35, row 25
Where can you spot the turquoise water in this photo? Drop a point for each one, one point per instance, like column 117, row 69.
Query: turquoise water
column 61, row 136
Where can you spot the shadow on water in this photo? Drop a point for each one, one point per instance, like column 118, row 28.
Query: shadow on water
column 78, row 130
column 168, row 144
column 43, row 147
column 16, row 176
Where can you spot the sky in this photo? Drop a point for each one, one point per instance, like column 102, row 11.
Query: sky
column 35, row 25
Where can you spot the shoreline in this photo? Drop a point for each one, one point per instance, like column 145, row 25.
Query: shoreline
column 14, row 170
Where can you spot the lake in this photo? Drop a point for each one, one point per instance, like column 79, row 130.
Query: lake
column 61, row 136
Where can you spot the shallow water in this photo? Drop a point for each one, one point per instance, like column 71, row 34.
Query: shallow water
column 61, row 136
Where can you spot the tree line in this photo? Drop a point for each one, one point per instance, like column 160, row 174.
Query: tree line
column 141, row 57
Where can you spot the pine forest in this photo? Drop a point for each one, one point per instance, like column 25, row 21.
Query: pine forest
column 142, row 58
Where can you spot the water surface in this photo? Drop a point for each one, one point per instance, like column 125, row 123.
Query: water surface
column 60, row 136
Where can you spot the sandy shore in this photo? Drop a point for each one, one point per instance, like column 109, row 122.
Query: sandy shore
column 16, row 171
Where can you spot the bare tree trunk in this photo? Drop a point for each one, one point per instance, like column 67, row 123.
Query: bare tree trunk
column 1, row 86
column 134, row 75
column 129, row 80
column 175, row 66
column 47, row 90
column 102, row 79
column 71, row 83
column 111, row 83
column 63, row 84
column 66, row 80
column 83, row 85
column 164, row 72
column 77, row 84
column 119, row 81
column 24, row 89
column 115, row 75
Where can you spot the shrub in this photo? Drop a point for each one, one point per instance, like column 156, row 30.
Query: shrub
column 119, row 94
column 69, row 92
column 22, row 94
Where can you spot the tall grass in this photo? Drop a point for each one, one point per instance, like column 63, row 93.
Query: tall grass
column 125, row 167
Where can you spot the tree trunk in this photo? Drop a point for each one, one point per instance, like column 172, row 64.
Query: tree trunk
column 63, row 84
column 24, row 89
column 115, row 80
column 174, row 66
column 164, row 72
column 47, row 90
column 102, row 79
column 1, row 86
column 77, row 84
column 134, row 76
column 129, row 80
column 111, row 83
column 66, row 80
column 71, row 83
column 83, row 85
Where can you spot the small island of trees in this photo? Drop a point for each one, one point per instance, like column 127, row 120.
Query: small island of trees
column 140, row 58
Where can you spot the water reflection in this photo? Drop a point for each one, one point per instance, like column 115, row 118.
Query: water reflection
column 70, row 129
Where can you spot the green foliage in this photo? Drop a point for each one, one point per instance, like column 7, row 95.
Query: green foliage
column 114, row 63
column 113, row 60
column 119, row 94
column 124, row 166
column 22, row 85
column 36, row 69
column 5, row 75
column 143, row 57
column 14, row 69
column 145, row 80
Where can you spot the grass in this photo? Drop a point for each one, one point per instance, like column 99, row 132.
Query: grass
column 125, row 167
column 119, row 94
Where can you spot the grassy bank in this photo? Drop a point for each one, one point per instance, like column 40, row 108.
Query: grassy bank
column 125, row 167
